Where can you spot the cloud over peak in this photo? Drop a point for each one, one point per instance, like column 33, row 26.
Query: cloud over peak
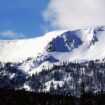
column 68, row 14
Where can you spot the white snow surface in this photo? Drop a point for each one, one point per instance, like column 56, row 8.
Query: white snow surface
column 19, row 50
column 92, row 47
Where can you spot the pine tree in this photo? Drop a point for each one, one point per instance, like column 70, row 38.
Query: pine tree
column 52, row 89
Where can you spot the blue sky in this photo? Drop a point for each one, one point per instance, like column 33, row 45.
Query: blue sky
column 25, row 19
column 22, row 18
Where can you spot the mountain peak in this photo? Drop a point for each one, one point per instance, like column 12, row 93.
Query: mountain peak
column 61, row 41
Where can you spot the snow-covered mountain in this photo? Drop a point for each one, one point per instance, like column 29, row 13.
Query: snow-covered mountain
column 54, row 47
column 19, row 50
column 78, row 44
column 48, row 54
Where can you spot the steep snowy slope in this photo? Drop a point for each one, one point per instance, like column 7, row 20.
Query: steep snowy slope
column 57, row 59
column 89, row 46
column 54, row 47
column 60, row 41
column 19, row 50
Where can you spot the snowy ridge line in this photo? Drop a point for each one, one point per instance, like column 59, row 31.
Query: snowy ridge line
column 54, row 47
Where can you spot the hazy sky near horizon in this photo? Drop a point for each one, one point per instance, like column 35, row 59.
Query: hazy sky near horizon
column 32, row 18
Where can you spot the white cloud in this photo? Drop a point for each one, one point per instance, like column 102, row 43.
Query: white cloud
column 68, row 14
column 11, row 34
